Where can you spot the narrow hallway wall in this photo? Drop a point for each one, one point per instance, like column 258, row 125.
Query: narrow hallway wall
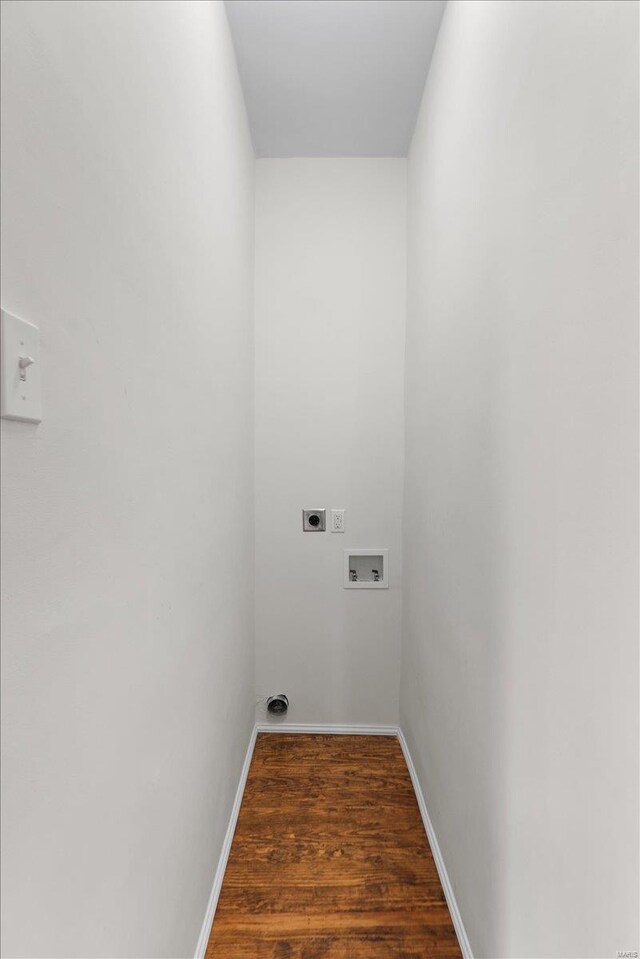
column 330, row 315
column 127, row 523
column 520, row 655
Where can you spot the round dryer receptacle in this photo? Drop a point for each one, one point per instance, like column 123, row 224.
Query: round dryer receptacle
column 277, row 704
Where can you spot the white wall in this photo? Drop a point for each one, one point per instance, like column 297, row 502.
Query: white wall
column 127, row 514
column 330, row 312
column 519, row 678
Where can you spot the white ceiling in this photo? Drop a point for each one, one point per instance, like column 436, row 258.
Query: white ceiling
column 333, row 77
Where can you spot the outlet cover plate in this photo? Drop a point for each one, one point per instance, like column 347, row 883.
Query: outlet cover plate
column 337, row 521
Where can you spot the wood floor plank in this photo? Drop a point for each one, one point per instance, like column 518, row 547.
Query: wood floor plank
column 330, row 859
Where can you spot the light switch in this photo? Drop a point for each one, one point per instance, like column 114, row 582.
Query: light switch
column 20, row 370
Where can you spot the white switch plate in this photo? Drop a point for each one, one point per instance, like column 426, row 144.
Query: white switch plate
column 20, row 396
column 337, row 521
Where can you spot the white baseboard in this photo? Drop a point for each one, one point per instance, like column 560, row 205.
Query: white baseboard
column 447, row 888
column 338, row 730
column 205, row 932
column 353, row 729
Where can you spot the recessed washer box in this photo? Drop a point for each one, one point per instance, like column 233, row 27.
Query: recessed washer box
column 366, row 569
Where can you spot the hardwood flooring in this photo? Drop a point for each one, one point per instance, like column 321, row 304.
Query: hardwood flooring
column 330, row 859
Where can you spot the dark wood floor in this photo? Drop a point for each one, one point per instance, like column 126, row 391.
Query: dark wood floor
column 330, row 859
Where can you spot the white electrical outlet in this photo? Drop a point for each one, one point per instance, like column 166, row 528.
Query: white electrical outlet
column 337, row 521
